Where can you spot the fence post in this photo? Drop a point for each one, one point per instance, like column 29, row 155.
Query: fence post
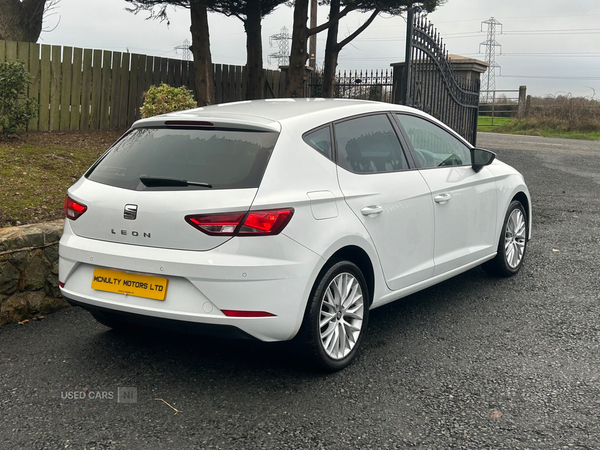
column 493, row 105
column 522, row 101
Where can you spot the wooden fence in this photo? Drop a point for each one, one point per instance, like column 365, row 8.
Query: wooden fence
column 83, row 89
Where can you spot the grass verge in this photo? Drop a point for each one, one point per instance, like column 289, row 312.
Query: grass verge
column 484, row 123
column 36, row 169
column 532, row 128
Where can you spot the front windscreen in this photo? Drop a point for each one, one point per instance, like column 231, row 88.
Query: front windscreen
column 220, row 158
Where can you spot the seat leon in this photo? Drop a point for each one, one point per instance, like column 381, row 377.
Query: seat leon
column 285, row 219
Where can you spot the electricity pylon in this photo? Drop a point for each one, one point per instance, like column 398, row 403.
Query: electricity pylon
column 489, row 81
column 185, row 50
column 282, row 40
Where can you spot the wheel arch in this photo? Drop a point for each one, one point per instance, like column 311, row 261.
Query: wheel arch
column 359, row 257
column 309, row 337
column 522, row 198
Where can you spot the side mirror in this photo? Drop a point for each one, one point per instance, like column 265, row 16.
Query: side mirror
column 481, row 158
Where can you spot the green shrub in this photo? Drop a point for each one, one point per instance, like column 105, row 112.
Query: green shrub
column 16, row 109
column 164, row 99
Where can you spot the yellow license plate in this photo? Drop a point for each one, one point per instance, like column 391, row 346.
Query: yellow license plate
column 130, row 283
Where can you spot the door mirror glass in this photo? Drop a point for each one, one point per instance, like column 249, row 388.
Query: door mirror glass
column 481, row 158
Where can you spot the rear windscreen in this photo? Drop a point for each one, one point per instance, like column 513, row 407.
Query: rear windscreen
column 223, row 159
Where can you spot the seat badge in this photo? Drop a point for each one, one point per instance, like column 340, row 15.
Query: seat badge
column 130, row 212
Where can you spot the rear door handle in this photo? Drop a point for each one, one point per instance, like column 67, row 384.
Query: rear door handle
column 371, row 210
column 442, row 198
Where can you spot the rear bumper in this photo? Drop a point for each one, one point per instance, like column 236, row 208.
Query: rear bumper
column 179, row 326
column 272, row 274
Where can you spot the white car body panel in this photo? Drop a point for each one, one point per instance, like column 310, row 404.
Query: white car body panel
column 462, row 223
column 414, row 243
column 402, row 232
column 509, row 184
column 159, row 221
column 237, row 275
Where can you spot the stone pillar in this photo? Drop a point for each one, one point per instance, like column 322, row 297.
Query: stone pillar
column 468, row 68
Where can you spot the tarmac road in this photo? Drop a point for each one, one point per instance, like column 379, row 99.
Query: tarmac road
column 473, row 363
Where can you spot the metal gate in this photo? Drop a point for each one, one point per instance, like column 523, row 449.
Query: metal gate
column 430, row 84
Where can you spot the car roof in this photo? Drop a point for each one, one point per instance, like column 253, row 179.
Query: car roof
column 270, row 113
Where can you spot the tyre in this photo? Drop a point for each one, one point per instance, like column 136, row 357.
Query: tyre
column 513, row 243
column 336, row 317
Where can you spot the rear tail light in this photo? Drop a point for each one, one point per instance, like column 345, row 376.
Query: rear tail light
column 266, row 222
column 253, row 223
column 216, row 224
column 73, row 209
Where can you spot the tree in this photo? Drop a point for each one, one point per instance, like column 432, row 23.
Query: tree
column 21, row 20
column 301, row 32
column 333, row 47
column 203, row 71
column 250, row 12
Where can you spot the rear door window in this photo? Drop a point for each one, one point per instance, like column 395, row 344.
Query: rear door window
column 222, row 158
column 369, row 144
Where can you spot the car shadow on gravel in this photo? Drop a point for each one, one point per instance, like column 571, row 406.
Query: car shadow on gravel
column 171, row 354
column 192, row 354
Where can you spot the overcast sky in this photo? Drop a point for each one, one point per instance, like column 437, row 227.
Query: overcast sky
column 551, row 46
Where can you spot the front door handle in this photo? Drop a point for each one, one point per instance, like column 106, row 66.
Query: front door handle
column 371, row 210
column 442, row 198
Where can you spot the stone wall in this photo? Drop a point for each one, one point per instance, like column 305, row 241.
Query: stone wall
column 29, row 271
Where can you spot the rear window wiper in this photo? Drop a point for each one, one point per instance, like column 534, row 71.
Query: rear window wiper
column 166, row 181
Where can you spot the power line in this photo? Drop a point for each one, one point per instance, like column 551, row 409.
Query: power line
column 555, row 55
column 543, row 55
column 551, row 77
column 553, row 32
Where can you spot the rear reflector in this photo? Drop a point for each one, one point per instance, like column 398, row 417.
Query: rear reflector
column 254, row 223
column 236, row 313
column 73, row 210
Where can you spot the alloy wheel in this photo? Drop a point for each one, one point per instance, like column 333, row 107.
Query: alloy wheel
column 341, row 315
column 514, row 238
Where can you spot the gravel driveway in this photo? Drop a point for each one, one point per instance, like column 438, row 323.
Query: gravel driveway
column 473, row 363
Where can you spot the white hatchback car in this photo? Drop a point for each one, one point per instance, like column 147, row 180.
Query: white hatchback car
column 284, row 219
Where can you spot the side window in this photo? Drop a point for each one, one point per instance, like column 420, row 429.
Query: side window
column 369, row 145
column 434, row 146
column 320, row 140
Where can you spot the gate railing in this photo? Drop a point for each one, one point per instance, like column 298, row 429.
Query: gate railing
column 358, row 84
column 429, row 82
